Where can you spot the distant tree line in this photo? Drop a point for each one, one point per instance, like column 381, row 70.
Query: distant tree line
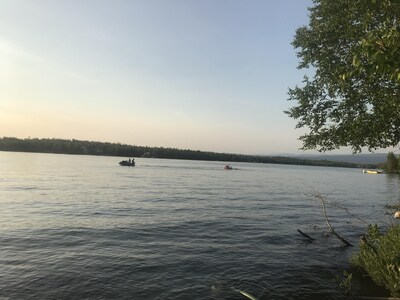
column 392, row 164
column 79, row 147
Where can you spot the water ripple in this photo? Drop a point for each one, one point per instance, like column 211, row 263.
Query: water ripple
column 174, row 229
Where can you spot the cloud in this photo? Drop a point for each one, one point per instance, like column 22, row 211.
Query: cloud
column 8, row 48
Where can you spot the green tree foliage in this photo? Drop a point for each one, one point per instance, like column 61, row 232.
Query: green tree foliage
column 398, row 163
column 379, row 256
column 391, row 165
column 379, row 49
column 353, row 97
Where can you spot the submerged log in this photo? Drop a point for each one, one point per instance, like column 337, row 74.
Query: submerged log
column 306, row 235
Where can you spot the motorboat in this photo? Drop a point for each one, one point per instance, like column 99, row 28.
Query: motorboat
column 372, row 171
column 127, row 163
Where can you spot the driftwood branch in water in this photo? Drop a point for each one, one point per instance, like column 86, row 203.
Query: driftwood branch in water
column 318, row 196
column 306, row 235
column 350, row 214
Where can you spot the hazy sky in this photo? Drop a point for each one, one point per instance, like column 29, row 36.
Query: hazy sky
column 198, row 74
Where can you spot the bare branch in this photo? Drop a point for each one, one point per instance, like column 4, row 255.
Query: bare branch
column 322, row 200
column 337, row 205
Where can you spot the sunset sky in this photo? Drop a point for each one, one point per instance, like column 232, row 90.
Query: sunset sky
column 205, row 75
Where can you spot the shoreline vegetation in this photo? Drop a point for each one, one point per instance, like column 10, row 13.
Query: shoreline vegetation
column 81, row 147
column 351, row 100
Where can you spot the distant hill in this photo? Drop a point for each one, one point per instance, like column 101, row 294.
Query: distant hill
column 372, row 158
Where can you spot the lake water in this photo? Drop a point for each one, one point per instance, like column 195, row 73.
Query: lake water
column 82, row 227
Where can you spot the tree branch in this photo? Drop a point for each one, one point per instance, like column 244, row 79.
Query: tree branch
column 322, row 200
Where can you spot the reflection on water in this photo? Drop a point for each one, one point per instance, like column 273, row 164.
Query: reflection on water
column 84, row 227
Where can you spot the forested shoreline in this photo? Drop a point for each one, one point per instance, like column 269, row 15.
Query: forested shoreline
column 80, row 147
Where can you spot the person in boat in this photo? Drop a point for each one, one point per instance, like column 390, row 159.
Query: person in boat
column 129, row 160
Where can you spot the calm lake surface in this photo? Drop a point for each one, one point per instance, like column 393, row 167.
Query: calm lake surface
column 82, row 227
